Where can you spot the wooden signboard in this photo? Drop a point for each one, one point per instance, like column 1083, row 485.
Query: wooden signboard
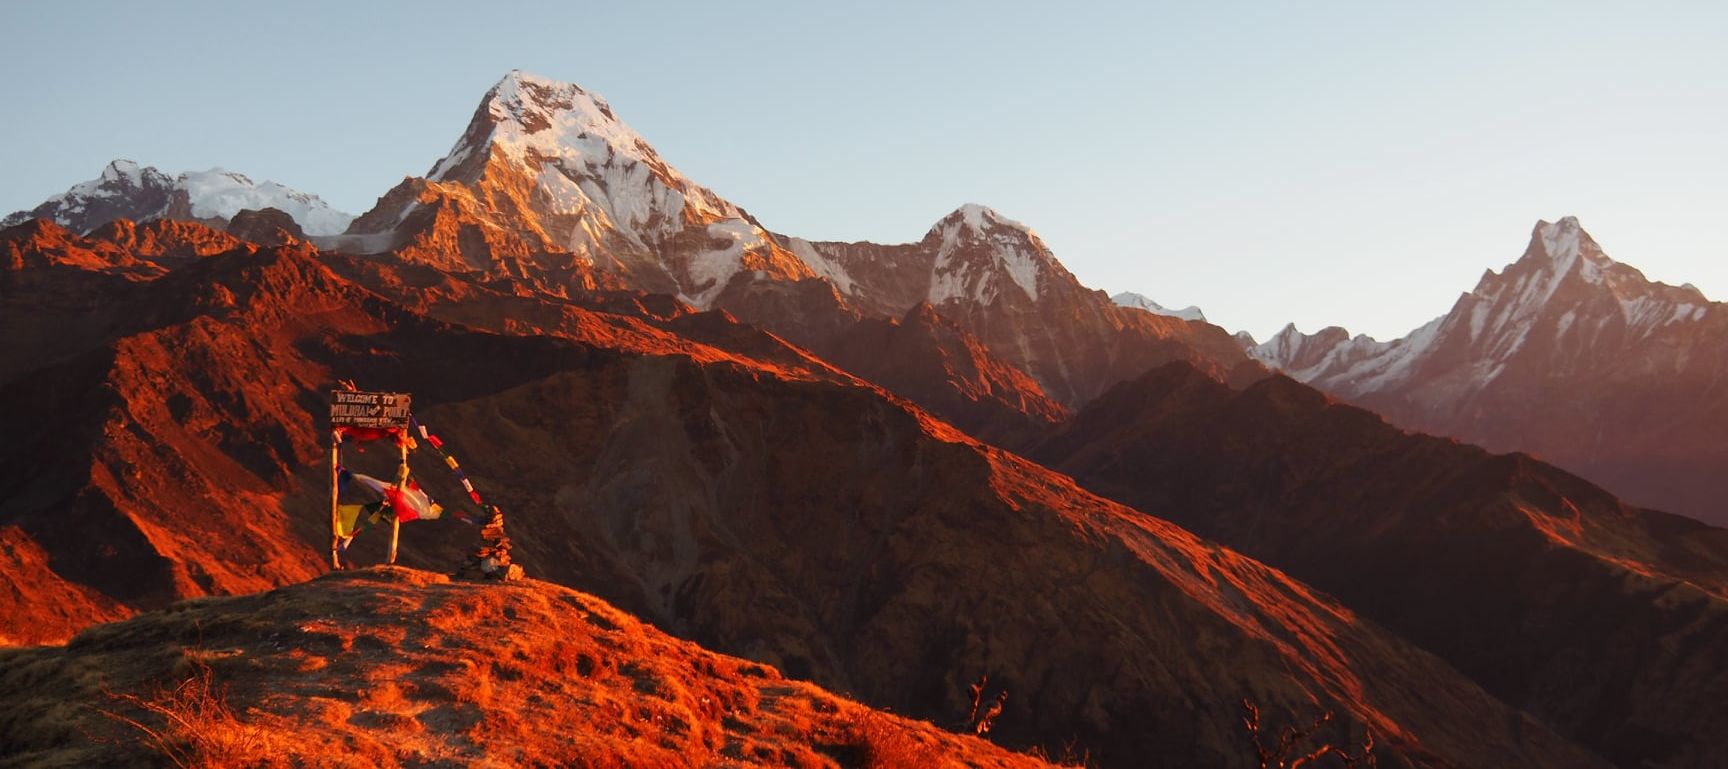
column 380, row 411
column 350, row 408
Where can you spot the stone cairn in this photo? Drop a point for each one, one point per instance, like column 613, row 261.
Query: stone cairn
column 492, row 559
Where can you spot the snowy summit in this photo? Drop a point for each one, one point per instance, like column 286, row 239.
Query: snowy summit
column 1562, row 299
column 979, row 249
column 550, row 164
column 125, row 190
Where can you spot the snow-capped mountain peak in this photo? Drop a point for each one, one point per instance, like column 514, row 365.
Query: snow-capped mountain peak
column 580, row 155
column 1561, row 239
column 1143, row 302
column 532, row 104
column 118, row 171
column 1562, row 300
column 1566, row 274
column 1305, row 356
column 979, row 218
column 535, row 120
column 127, row 190
column 1557, row 250
column 123, row 189
column 978, row 249
column 546, row 166
column 1565, row 352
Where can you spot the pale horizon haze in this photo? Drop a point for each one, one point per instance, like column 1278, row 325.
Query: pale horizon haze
column 1339, row 163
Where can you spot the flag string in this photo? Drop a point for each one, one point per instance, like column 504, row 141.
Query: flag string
column 449, row 461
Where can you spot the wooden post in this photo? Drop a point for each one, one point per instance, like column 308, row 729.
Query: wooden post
column 335, row 513
column 402, row 487
column 372, row 411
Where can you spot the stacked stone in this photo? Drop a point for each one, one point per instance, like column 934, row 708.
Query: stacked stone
column 492, row 559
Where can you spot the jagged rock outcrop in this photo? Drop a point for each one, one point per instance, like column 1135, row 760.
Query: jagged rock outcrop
column 266, row 227
column 39, row 245
column 168, row 241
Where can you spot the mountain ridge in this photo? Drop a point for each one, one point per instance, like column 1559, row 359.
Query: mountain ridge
column 793, row 451
column 1548, row 591
column 1141, row 301
column 794, row 516
column 547, row 176
column 1636, row 361
column 125, row 190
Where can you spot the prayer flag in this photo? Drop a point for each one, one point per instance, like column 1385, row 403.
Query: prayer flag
column 348, row 519
column 412, row 504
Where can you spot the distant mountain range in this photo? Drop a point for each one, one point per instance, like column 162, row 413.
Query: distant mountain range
column 888, row 469
column 717, row 482
column 124, row 190
column 1566, row 354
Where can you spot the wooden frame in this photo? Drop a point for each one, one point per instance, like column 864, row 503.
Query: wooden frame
column 370, row 411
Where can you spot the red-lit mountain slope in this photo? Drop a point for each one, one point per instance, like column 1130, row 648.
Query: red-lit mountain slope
column 1608, row 621
column 798, row 519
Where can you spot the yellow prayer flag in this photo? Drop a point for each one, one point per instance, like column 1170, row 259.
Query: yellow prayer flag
column 347, row 516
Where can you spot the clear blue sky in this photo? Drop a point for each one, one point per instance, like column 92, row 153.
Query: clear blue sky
column 1351, row 163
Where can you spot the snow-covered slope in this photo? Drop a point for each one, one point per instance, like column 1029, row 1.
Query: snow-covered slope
column 1308, row 356
column 983, row 254
column 1565, row 353
column 973, row 254
column 1143, row 302
column 125, row 190
column 220, row 194
column 546, row 165
column 122, row 191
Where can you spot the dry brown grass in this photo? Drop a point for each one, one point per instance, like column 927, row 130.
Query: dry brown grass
column 393, row 667
column 1071, row 755
column 870, row 739
column 190, row 724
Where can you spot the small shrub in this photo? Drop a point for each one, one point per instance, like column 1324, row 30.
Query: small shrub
column 877, row 741
column 981, row 718
column 1072, row 755
column 1287, row 752
column 191, row 724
